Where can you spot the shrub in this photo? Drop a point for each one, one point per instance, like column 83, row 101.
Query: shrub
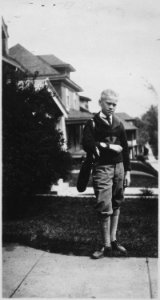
column 147, row 192
column 33, row 155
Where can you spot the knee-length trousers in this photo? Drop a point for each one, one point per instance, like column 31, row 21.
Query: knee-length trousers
column 108, row 184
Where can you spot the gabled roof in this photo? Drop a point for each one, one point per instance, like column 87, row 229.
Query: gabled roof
column 124, row 116
column 54, row 61
column 128, row 126
column 57, row 99
column 126, row 120
column 83, row 109
column 83, row 98
column 30, row 61
column 9, row 60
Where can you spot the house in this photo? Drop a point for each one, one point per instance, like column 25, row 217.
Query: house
column 131, row 131
column 69, row 93
column 84, row 106
column 56, row 73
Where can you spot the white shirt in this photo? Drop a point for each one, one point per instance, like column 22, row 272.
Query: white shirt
column 103, row 116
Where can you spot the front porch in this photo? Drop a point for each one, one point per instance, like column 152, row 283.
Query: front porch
column 74, row 127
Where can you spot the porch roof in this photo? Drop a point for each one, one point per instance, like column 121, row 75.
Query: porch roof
column 127, row 121
column 9, row 60
column 57, row 100
column 128, row 125
column 124, row 116
column 67, row 81
column 76, row 116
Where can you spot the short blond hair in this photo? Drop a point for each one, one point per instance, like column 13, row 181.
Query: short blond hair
column 109, row 94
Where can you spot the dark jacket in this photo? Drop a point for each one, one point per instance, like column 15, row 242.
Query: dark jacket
column 99, row 131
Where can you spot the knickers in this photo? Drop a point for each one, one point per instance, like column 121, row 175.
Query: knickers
column 108, row 187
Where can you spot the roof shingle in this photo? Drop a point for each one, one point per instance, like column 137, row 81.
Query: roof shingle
column 30, row 61
column 54, row 61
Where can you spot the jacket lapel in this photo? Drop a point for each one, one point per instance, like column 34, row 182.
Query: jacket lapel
column 115, row 121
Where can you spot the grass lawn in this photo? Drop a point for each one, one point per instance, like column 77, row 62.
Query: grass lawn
column 70, row 226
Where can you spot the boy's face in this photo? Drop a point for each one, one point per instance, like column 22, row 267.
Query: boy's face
column 108, row 106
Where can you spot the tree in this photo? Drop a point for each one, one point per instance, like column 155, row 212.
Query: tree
column 150, row 119
column 148, row 129
column 33, row 155
column 142, row 134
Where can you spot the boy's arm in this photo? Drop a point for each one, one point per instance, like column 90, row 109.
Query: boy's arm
column 88, row 141
column 126, row 159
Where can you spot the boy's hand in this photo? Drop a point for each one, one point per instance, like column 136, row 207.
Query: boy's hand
column 127, row 179
column 103, row 145
column 116, row 148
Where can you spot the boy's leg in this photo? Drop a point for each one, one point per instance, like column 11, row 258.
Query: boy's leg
column 114, row 223
column 105, row 223
column 114, row 226
column 118, row 196
column 102, row 183
column 106, row 250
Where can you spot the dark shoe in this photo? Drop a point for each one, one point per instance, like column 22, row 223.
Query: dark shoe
column 104, row 251
column 117, row 247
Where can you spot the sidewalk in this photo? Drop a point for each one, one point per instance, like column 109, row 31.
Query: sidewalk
column 151, row 159
column 29, row 273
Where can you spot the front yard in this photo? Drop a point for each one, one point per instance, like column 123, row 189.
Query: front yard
column 70, row 225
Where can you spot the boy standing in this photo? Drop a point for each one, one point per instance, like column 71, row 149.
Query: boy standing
column 107, row 141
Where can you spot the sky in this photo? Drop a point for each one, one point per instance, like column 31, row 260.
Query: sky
column 112, row 44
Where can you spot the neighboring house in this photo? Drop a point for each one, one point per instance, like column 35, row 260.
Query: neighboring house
column 131, row 131
column 84, row 103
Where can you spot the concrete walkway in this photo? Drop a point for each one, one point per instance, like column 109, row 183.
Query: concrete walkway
column 30, row 273
column 151, row 159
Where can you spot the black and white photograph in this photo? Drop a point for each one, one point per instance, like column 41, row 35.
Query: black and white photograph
column 80, row 92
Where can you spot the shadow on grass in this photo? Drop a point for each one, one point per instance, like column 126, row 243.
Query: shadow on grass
column 70, row 226
column 64, row 247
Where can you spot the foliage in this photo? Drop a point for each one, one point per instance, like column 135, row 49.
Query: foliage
column 146, row 192
column 33, row 155
column 142, row 134
column 148, row 129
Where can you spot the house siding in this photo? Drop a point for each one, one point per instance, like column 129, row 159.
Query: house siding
column 69, row 98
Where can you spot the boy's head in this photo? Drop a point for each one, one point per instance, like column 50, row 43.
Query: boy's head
column 108, row 101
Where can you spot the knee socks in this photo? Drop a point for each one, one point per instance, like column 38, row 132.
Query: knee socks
column 109, row 225
column 114, row 224
column 105, row 230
